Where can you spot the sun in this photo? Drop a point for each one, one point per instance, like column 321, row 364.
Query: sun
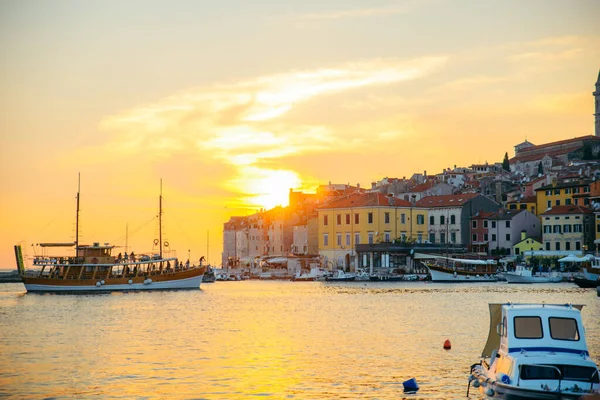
column 271, row 188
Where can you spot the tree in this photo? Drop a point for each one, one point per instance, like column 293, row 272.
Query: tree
column 505, row 164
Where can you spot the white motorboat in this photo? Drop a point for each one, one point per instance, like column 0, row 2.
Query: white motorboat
column 340, row 276
column 535, row 351
column 523, row 274
column 315, row 274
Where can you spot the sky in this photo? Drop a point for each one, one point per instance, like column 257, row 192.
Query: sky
column 230, row 104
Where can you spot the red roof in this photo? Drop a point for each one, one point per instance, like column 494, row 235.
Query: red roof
column 530, row 199
column 370, row 199
column 422, row 187
column 571, row 209
column 448, row 200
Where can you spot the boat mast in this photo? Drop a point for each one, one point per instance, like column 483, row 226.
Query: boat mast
column 77, row 217
column 160, row 243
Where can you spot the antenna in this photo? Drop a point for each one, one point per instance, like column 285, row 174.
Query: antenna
column 77, row 216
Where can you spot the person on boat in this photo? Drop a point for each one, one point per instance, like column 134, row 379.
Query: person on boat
column 132, row 257
column 119, row 257
column 187, row 264
column 125, row 257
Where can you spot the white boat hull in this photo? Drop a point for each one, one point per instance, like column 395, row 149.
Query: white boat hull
column 439, row 276
column 515, row 278
column 179, row 284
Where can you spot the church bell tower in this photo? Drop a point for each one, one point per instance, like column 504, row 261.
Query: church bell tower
column 597, row 106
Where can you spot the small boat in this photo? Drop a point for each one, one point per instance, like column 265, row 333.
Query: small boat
column 340, row 276
column 209, row 275
column 586, row 283
column 315, row 274
column 10, row 276
column 386, row 278
column 535, row 351
column 93, row 268
column 523, row 274
column 457, row 270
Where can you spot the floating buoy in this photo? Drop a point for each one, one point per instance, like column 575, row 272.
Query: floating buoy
column 447, row 345
column 130, row 282
column 98, row 284
column 411, row 385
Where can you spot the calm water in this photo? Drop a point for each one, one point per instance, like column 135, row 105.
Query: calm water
column 270, row 339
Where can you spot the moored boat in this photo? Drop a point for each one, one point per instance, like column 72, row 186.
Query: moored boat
column 461, row 270
column 93, row 268
column 340, row 276
column 535, row 351
column 586, row 283
column 523, row 274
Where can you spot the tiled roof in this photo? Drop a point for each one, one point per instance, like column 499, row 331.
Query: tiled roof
column 571, row 209
column 563, row 185
column 422, row 187
column 370, row 199
column 449, row 200
column 530, row 199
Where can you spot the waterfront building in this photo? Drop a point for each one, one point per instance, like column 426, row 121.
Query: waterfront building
column 567, row 228
column 496, row 232
column 370, row 217
column 527, row 243
column 449, row 216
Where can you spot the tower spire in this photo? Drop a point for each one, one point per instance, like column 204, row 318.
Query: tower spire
column 597, row 106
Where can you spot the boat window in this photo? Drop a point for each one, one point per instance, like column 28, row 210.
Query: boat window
column 528, row 327
column 539, row 372
column 579, row 373
column 563, row 328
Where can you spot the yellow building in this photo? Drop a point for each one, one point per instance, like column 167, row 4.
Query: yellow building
column 362, row 218
column 527, row 244
column 576, row 192
column 528, row 203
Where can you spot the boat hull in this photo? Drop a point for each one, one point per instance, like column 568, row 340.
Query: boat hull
column 189, row 280
column 451, row 277
column 586, row 283
column 514, row 278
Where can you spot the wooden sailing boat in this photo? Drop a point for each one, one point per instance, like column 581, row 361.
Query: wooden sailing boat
column 95, row 269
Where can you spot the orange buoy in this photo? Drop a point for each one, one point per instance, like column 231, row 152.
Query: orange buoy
column 447, row 345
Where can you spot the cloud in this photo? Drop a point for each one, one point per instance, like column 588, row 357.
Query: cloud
column 355, row 13
column 246, row 124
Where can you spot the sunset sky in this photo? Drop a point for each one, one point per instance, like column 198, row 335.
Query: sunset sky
column 233, row 103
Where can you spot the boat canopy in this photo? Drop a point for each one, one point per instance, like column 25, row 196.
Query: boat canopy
column 493, row 340
column 423, row 256
column 573, row 258
column 71, row 244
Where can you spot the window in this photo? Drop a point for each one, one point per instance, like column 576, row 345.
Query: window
column 421, row 220
column 528, row 328
column 493, row 224
column 338, row 219
column 325, row 240
column 347, row 219
column 567, row 228
column 547, row 229
column 555, row 228
column 557, row 202
column 578, row 228
column 547, row 245
column 474, row 224
column 431, row 220
column 474, row 238
column 356, row 238
column 348, row 242
column 549, row 203
column 556, row 191
column 568, row 202
column 523, row 207
column 513, row 207
column 442, row 237
column 507, row 224
column 548, row 192
column 386, row 237
column 453, row 237
column 442, row 220
column 568, row 191
column 339, row 239
column 485, row 223
column 419, row 237
column 485, row 237
column 370, row 237
column 508, row 237
column 325, row 220
column 557, row 246
column 563, row 328
column 432, row 237
column 356, row 219
column 386, row 218
column 402, row 218
column 453, row 219
column 577, row 245
column 493, row 237
column 568, row 246
column 370, row 218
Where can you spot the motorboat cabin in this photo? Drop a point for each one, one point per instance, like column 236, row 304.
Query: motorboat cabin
column 536, row 351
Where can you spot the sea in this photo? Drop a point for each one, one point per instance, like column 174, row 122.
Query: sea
column 259, row 339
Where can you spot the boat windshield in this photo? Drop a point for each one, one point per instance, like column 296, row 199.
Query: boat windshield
column 528, row 327
column 563, row 329
column 564, row 372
